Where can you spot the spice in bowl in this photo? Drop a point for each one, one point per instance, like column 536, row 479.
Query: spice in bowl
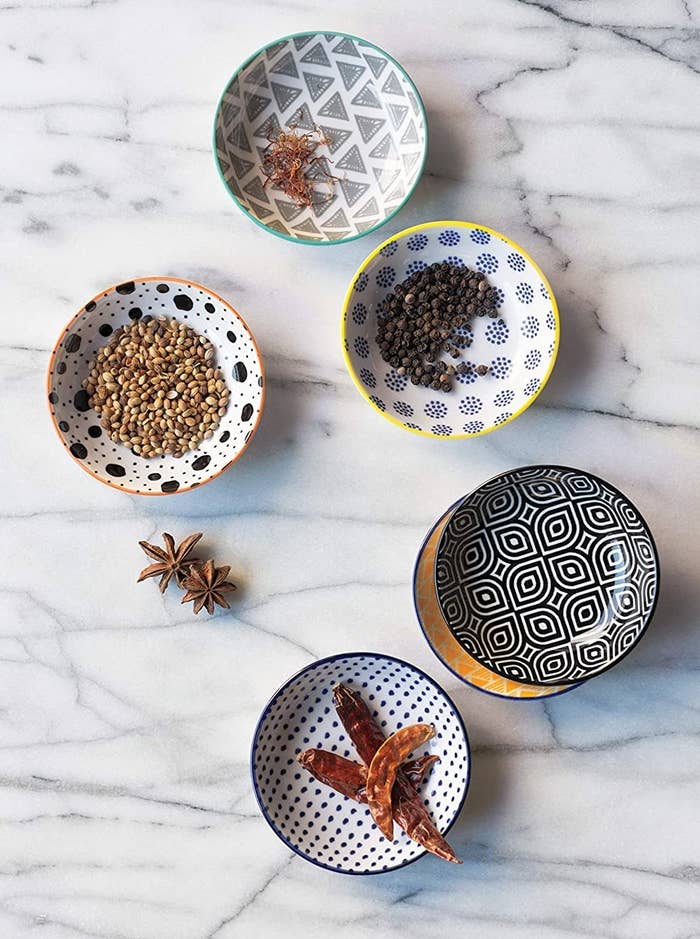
column 156, row 388
column 420, row 320
column 290, row 163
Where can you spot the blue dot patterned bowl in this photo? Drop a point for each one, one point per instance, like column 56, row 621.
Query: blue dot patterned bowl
column 318, row 823
column 520, row 346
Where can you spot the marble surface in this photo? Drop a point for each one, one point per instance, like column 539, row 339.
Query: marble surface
column 125, row 801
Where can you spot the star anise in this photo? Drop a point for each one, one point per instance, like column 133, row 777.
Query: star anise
column 206, row 586
column 171, row 561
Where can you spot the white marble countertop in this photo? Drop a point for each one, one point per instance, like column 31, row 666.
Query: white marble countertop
column 125, row 722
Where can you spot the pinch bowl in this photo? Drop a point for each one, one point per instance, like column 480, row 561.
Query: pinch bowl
column 316, row 822
column 78, row 426
column 520, row 344
column 354, row 94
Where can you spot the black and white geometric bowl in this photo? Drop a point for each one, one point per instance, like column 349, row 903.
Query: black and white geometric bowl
column 313, row 820
column 547, row 575
column 78, row 426
column 520, row 345
column 359, row 98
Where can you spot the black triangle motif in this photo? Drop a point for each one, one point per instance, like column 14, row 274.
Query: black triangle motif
column 369, row 208
column 278, row 226
column 286, row 66
column 368, row 126
column 272, row 51
column 398, row 193
column 392, row 86
column 256, row 75
column 350, row 73
column 230, row 112
column 366, row 97
column 256, row 189
column 284, row 95
column 302, row 118
column 410, row 135
column 335, row 137
column 255, row 105
column 397, row 113
column 414, row 103
column 269, row 128
column 317, row 84
column 376, row 64
column 220, row 140
column 288, row 210
column 385, row 177
column 238, row 138
column 337, row 220
column 410, row 160
column 352, row 190
column 385, row 148
column 352, row 161
column 301, row 41
column 364, row 224
column 316, row 56
column 241, row 167
column 308, row 227
column 322, row 204
column 346, row 47
column 334, row 107
column 337, row 235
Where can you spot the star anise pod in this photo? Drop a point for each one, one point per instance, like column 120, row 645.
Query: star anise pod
column 172, row 561
column 206, row 586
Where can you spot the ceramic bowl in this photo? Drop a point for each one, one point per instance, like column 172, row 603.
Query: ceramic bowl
column 546, row 575
column 438, row 636
column 359, row 98
column 520, row 345
column 321, row 825
column 78, row 426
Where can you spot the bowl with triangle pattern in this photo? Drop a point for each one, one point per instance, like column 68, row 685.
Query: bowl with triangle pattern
column 364, row 114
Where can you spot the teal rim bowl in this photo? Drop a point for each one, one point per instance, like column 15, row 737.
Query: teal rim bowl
column 365, row 105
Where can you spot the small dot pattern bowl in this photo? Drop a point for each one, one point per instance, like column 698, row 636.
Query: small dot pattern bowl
column 78, row 426
column 520, row 345
column 363, row 103
column 318, row 823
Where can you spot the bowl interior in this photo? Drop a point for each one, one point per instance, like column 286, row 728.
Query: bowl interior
column 358, row 98
column 79, row 426
column 440, row 639
column 320, row 824
column 520, row 345
column 546, row 575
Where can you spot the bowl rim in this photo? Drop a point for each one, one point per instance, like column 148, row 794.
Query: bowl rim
column 599, row 479
column 438, row 224
column 286, row 684
column 308, row 241
column 81, row 312
column 493, row 694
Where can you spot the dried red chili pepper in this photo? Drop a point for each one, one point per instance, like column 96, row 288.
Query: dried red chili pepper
column 381, row 774
column 409, row 811
column 350, row 778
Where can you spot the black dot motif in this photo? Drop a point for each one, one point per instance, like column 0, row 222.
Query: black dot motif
column 79, row 426
column 319, row 823
column 182, row 301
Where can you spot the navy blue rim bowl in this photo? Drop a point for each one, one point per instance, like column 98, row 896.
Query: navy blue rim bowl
column 293, row 678
column 645, row 525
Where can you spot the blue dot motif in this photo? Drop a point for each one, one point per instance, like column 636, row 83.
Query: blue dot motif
column 378, row 402
column 531, row 387
column 463, row 337
column 368, row 378
column 389, row 250
column 530, row 327
column 516, row 262
column 449, row 238
column 441, row 430
column 415, row 266
column 497, row 332
column 501, row 366
column 504, row 398
column 361, row 282
column 487, row 263
column 395, row 381
column 533, row 359
column 435, row 409
column 543, row 291
column 411, row 426
column 361, row 347
column 498, row 296
column 417, row 242
column 403, row 408
column 470, row 404
column 473, row 427
column 469, row 377
column 524, row 293
column 480, row 237
column 385, row 276
column 359, row 314
column 502, row 418
column 550, row 320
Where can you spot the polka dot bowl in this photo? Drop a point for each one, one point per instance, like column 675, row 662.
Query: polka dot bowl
column 78, row 426
column 520, row 345
column 363, row 103
column 318, row 823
